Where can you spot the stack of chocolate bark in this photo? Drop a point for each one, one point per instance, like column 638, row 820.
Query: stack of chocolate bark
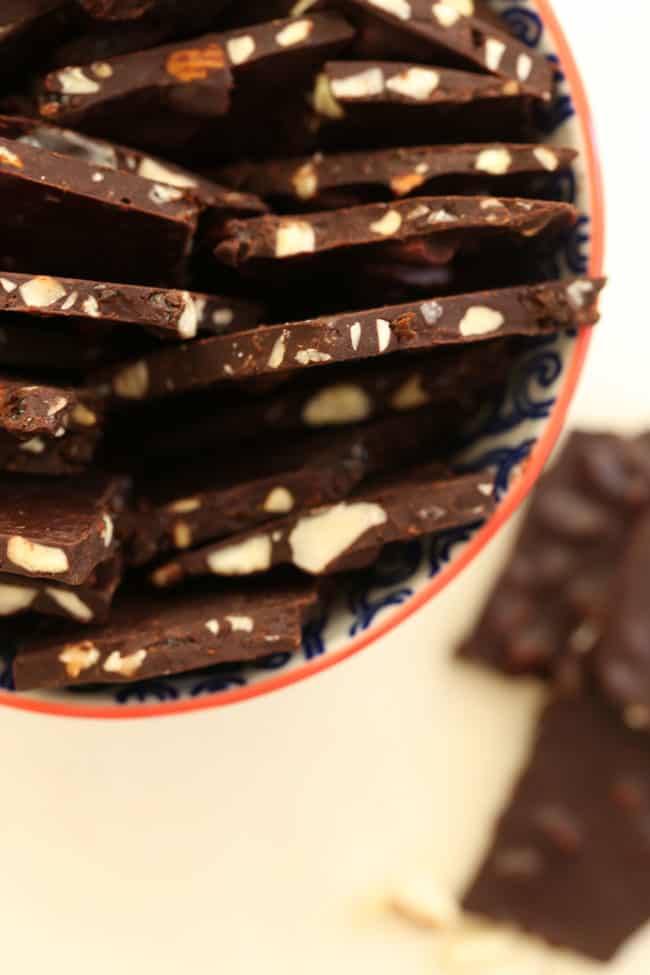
column 569, row 860
column 256, row 277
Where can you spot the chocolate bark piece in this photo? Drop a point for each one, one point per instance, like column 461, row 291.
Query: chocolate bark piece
column 63, row 532
column 90, row 220
column 212, row 501
column 128, row 10
column 72, row 453
column 455, row 383
column 444, row 219
column 337, row 537
column 27, row 27
column 553, row 595
column 569, row 861
column 343, row 179
column 622, row 655
column 446, row 32
column 151, row 634
column 88, row 603
column 134, row 96
column 166, row 312
column 30, row 411
column 391, row 103
column 208, row 196
column 276, row 349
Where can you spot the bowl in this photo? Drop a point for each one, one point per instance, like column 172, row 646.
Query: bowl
column 517, row 439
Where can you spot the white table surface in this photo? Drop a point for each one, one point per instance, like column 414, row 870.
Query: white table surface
column 256, row 839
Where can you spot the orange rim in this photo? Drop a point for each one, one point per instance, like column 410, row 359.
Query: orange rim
column 508, row 506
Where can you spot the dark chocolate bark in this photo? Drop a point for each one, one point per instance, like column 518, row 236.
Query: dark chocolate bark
column 622, row 655
column 62, row 532
column 72, row 453
column 528, row 310
column 128, row 10
column 208, row 196
column 446, row 31
column 454, row 383
column 569, row 861
column 553, row 596
column 88, row 603
column 332, row 181
column 50, row 412
column 168, row 313
column 337, row 537
column 150, row 635
column 91, row 221
column 28, row 27
column 212, row 501
column 129, row 97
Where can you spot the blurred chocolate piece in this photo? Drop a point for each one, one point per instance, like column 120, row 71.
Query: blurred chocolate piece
column 127, row 10
column 347, row 179
column 91, row 221
column 569, row 860
column 28, row 28
column 446, row 33
column 63, row 532
column 166, row 312
column 183, row 508
column 89, row 602
column 276, row 349
column 152, row 635
column 554, row 596
column 347, row 535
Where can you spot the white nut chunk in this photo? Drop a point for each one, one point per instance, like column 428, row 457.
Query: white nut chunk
column 416, row 83
column 547, row 158
column 421, row 900
column 132, row 382
column 496, row 161
column 36, row 558
column 14, row 599
column 127, row 666
column 319, row 539
column 241, row 624
column 41, row 292
column 480, row 320
column 78, row 657
column 71, row 603
column 388, row 224
column 73, row 81
column 295, row 33
column 337, row 405
column 364, row 84
column 240, row 49
column 398, row 8
column 279, row 501
column 295, row 237
column 242, row 558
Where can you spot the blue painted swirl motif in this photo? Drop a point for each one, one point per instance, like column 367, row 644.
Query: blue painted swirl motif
column 6, row 675
column 442, row 545
column 397, row 565
column 313, row 640
column 526, row 398
column 504, row 460
column 525, row 24
column 142, row 691
column 217, row 683
column 549, row 117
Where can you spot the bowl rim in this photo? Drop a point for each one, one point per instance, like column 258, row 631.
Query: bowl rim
column 509, row 505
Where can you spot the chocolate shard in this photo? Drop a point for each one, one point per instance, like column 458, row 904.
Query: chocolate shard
column 445, row 221
column 131, row 97
column 62, row 533
column 179, row 510
column 622, row 655
column 133, row 10
column 136, row 233
column 454, row 383
column 415, row 326
column 152, row 635
column 446, row 31
column 346, row 179
column 569, row 859
column 337, row 537
column 554, row 594
column 89, row 602
column 166, row 312
column 209, row 196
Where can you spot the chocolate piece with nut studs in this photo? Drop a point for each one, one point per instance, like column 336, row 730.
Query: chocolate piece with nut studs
column 167, row 313
column 63, row 532
column 554, row 594
column 28, row 28
column 89, row 602
column 446, row 32
column 72, row 453
column 369, row 104
column 622, row 654
column 74, row 204
column 540, row 309
column 350, row 534
column 209, row 196
column 454, row 383
column 152, row 635
column 176, row 512
column 264, row 244
column 133, row 97
column 569, row 859
column 29, row 410
column 347, row 179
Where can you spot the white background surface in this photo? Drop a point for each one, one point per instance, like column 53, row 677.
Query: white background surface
column 253, row 839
